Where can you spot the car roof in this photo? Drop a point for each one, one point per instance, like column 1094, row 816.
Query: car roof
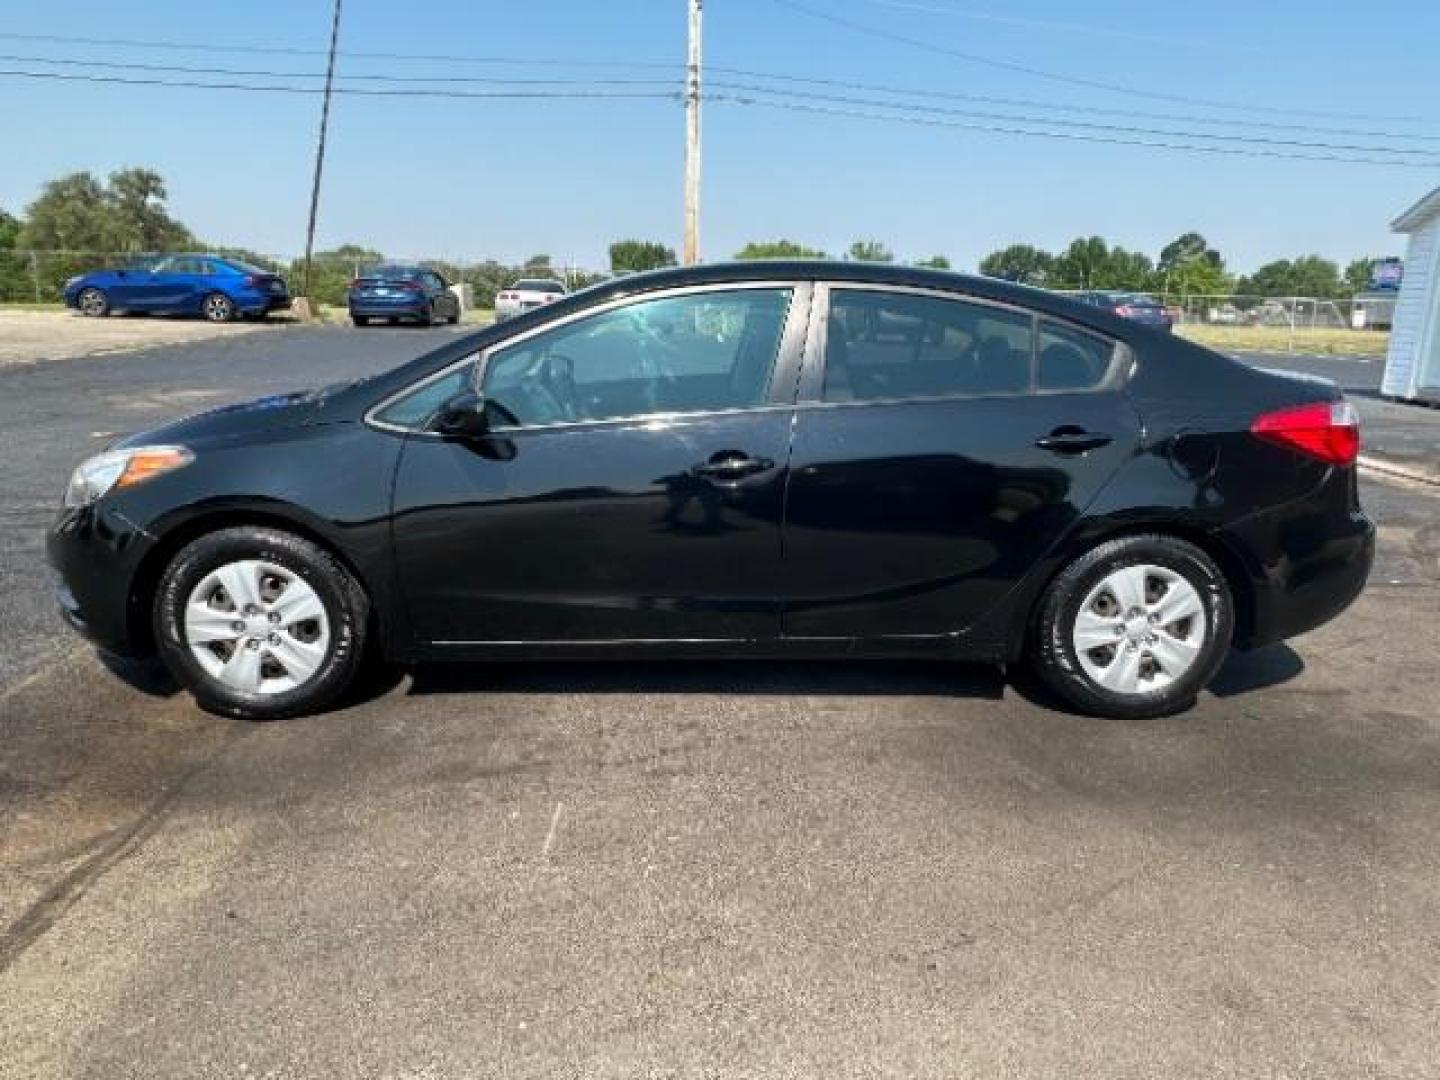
column 984, row 288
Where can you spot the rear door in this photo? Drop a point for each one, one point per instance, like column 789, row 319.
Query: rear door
column 941, row 445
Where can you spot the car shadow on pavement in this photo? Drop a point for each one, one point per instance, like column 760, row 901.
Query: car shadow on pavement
column 755, row 677
column 1244, row 672
column 145, row 675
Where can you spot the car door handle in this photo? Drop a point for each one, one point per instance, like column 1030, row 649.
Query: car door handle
column 1072, row 440
column 731, row 465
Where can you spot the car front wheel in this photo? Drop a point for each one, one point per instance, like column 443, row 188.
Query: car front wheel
column 93, row 302
column 260, row 624
column 1134, row 628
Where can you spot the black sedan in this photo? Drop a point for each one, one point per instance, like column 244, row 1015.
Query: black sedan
column 762, row 460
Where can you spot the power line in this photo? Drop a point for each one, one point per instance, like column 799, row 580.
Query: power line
column 184, row 69
column 929, row 7
column 574, row 94
column 352, row 90
column 999, row 129
column 1129, row 129
column 770, row 76
column 281, row 50
column 1071, row 80
column 1092, row 110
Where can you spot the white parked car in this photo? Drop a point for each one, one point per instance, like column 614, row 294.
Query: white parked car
column 525, row 294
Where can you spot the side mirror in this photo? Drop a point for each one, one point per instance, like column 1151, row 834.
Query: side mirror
column 462, row 417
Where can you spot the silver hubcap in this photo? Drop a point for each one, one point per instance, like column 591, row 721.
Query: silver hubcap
column 257, row 627
column 1140, row 629
column 92, row 302
column 218, row 308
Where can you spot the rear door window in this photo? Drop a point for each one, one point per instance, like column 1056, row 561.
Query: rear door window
column 887, row 345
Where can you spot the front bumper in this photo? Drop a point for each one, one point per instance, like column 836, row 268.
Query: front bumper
column 96, row 555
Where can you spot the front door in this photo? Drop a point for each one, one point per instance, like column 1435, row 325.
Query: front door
column 632, row 486
column 945, row 446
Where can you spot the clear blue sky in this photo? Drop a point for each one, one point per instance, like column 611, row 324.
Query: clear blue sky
column 477, row 178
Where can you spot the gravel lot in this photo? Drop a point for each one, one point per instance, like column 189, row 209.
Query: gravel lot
column 27, row 337
column 702, row 869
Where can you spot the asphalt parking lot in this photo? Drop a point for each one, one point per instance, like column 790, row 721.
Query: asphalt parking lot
column 703, row 869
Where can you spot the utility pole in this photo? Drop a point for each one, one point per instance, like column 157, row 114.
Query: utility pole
column 692, row 138
column 320, row 147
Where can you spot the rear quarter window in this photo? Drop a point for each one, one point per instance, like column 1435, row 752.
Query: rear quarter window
column 1070, row 360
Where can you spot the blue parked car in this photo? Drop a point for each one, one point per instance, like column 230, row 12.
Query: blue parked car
column 220, row 289
column 402, row 292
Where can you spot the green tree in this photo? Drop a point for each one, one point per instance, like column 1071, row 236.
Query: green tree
column 634, row 256
column 136, row 198
column 1020, row 263
column 1309, row 275
column 9, row 231
column 1190, row 266
column 332, row 271
column 1090, row 263
column 14, row 279
column 778, row 249
column 935, row 262
column 870, row 251
column 1357, row 275
column 79, row 213
column 70, row 214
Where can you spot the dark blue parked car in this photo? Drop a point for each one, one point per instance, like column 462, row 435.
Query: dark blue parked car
column 402, row 292
column 218, row 288
column 1137, row 307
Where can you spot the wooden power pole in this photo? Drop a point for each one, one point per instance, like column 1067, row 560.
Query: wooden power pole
column 692, row 138
column 320, row 147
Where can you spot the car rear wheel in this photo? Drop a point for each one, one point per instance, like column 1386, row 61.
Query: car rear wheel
column 426, row 317
column 260, row 624
column 218, row 308
column 1134, row 628
column 93, row 302
column 360, row 320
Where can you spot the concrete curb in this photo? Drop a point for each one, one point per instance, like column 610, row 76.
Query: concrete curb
column 1386, row 467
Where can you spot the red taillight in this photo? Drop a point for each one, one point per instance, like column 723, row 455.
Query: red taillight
column 1124, row 311
column 354, row 283
column 1328, row 430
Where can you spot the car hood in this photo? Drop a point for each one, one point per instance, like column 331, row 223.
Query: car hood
column 231, row 422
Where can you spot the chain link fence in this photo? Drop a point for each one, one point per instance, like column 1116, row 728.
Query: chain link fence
column 39, row 277
column 1289, row 312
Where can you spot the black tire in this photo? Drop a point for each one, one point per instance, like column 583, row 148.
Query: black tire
column 93, row 302
column 1053, row 656
column 346, row 611
column 360, row 320
column 218, row 308
column 455, row 319
column 427, row 317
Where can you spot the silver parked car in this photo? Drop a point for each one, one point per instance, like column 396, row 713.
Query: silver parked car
column 525, row 294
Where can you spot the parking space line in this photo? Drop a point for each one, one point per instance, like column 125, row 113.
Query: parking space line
column 42, row 672
column 550, row 836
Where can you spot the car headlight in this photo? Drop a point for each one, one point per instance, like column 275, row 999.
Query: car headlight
column 122, row 469
column 74, row 280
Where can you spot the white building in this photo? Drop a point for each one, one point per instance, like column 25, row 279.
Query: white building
column 1412, row 370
